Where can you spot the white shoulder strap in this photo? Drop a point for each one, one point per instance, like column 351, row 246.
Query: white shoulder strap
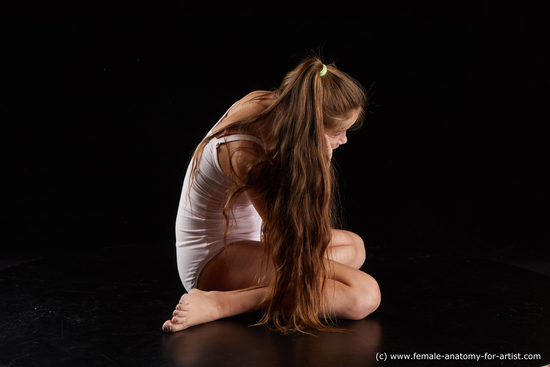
column 237, row 137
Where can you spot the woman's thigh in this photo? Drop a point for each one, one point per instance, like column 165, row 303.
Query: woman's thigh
column 240, row 265
column 244, row 264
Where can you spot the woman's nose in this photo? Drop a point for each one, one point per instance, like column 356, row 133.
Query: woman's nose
column 343, row 138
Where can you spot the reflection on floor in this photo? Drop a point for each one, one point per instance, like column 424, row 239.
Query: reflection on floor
column 106, row 309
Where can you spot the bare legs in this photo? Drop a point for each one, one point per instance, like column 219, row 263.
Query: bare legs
column 347, row 248
column 350, row 293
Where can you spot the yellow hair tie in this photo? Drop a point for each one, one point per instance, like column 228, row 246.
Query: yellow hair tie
column 323, row 71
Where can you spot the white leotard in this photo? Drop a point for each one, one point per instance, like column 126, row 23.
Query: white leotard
column 200, row 224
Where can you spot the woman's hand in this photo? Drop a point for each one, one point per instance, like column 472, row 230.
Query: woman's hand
column 329, row 148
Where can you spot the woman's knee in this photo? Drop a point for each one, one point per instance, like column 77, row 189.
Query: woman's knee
column 365, row 299
column 359, row 252
column 359, row 245
column 349, row 247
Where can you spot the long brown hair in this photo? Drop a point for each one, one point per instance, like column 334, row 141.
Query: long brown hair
column 298, row 185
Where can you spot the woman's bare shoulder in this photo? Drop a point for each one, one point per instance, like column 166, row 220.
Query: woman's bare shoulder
column 258, row 96
column 250, row 105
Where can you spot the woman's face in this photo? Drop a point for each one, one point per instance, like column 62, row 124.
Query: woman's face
column 337, row 136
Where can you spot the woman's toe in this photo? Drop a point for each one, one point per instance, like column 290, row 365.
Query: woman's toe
column 171, row 327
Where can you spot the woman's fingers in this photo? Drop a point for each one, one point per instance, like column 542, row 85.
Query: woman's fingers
column 329, row 148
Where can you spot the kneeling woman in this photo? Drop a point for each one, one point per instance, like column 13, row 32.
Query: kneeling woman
column 255, row 228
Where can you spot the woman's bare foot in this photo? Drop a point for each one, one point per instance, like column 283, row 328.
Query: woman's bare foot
column 196, row 307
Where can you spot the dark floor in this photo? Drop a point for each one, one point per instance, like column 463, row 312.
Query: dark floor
column 107, row 308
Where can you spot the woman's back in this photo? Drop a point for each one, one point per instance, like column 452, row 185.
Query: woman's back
column 200, row 222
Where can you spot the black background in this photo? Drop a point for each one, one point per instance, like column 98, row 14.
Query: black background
column 102, row 104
